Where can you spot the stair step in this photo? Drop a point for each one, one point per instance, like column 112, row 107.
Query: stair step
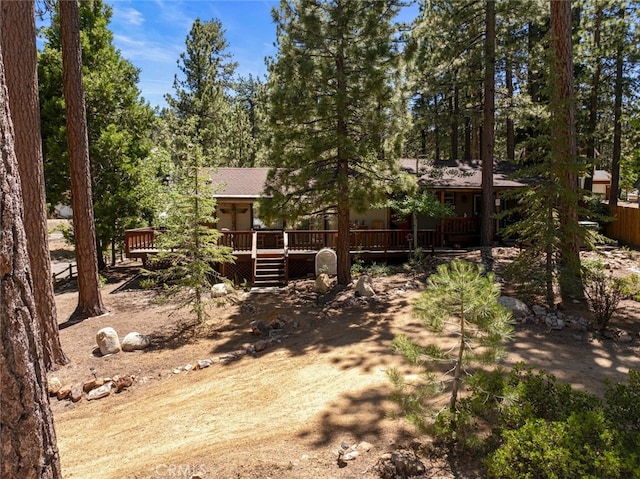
column 270, row 271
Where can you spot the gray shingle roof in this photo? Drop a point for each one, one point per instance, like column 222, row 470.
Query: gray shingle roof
column 461, row 174
column 239, row 182
column 250, row 182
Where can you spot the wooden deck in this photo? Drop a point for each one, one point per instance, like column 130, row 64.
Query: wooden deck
column 296, row 249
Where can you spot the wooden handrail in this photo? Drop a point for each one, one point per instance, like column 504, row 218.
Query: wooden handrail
column 382, row 240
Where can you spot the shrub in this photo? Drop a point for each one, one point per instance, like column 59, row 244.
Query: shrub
column 630, row 287
column 379, row 270
column 582, row 446
column 547, row 430
column 530, row 394
column 603, row 293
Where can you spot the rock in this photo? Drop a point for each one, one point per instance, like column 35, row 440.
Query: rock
column 76, row 392
column 351, row 455
column 108, row 341
column 322, row 284
column 219, row 290
column 204, row 363
column 518, row 309
column 102, row 391
column 625, row 337
column 260, row 346
column 400, row 463
column 364, row 287
column 232, row 356
column 259, row 329
column 124, row 382
column 554, row 322
column 579, row 324
column 92, row 384
column 365, row 446
column 188, row 367
column 134, row 341
column 63, row 393
column 539, row 310
column 53, row 386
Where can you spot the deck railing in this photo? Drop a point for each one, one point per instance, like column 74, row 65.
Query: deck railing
column 144, row 239
column 460, row 225
column 311, row 240
column 139, row 239
column 237, row 240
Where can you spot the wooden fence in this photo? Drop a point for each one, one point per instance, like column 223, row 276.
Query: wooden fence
column 626, row 225
column 68, row 273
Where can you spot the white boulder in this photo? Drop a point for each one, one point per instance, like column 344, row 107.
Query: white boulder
column 219, row 290
column 134, row 341
column 364, row 287
column 518, row 309
column 322, row 284
column 108, row 341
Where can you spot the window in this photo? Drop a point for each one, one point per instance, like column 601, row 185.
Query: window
column 449, row 199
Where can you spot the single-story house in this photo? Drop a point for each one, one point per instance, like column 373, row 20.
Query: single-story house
column 273, row 253
column 601, row 183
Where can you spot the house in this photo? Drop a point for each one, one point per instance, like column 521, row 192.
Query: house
column 601, row 182
column 272, row 253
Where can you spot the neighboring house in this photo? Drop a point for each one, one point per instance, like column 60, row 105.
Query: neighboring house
column 270, row 254
column 601, row 182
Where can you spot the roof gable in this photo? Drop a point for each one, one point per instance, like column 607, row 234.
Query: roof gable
column 239, row 182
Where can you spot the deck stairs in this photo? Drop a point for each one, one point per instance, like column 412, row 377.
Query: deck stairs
column 270, row 270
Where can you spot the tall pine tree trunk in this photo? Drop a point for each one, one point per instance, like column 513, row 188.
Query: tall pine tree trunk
column 343, row 253
column 563, row 147
column 593, row 101
column 617, row 117
column 436, row 129
column 511, row 136
column 18, row 38
column 487, row 226
column 27, row 435
column 467, row 139
column 454, row 106
column 89, row 298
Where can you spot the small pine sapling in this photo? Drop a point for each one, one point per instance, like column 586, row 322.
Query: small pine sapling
column 461, row 301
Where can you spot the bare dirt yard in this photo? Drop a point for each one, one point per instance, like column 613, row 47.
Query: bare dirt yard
column 285, row 410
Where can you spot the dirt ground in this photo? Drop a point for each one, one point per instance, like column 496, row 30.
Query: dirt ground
column 282, row 412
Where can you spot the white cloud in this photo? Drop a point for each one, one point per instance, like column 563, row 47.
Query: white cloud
column 130, row 16
column 145, row 50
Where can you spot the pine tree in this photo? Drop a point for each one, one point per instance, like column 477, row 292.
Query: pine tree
column 459, row 299
column 118, row 126
column 202, row 94
column 190, row 242
column 334, row 113
column 18, row 38
column 564, row 161
column 27, row 432
column 89, row 297
column 247, row 133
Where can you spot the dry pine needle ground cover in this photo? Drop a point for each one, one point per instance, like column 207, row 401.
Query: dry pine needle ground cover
column 282, row 412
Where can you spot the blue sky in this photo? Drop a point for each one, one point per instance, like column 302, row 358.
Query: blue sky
column 151, row 34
